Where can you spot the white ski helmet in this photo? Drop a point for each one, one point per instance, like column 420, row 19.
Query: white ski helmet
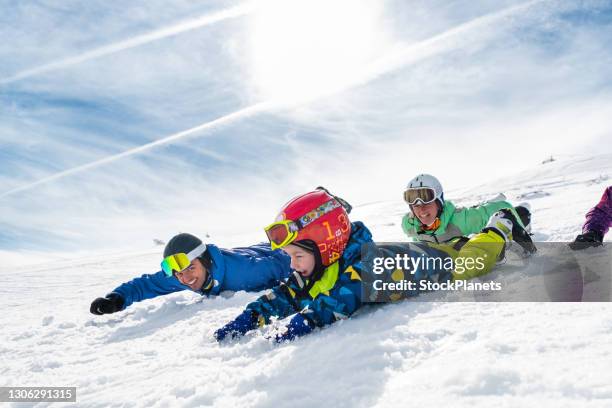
column 428, row 181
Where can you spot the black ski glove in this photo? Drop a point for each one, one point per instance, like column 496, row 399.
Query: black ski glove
column 110, row 304
column 588, row 239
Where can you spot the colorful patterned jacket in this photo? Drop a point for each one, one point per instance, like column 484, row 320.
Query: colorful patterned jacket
column 335, row 296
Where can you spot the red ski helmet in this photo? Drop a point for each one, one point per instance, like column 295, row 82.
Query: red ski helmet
column 316, row 216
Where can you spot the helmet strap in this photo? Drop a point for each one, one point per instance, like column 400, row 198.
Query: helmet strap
column 310, row 246
column 347, row 207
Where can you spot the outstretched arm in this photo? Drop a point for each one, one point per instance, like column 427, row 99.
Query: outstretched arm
column 279, row 302
column 147, row 286
column 598, row 221
column 475, row 218
column 325, row 310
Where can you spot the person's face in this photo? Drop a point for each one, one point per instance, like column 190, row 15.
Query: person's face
column 302, row 261
column 426, row 213
column 193, row 276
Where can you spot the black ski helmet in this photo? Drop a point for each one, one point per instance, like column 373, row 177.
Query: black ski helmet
column 182, row 243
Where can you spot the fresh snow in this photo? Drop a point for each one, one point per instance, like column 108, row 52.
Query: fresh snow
column 161, row 353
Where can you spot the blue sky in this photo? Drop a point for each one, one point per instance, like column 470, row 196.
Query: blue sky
column 259, row 101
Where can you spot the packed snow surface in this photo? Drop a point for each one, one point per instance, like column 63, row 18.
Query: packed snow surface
column 161, row 353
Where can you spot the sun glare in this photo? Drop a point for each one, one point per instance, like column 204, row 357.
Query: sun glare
column 301, row 48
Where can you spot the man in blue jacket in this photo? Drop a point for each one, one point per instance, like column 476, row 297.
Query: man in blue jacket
column 203, row 268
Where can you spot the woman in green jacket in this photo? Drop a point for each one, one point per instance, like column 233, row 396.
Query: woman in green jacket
column 434, row 219
column 481, row 232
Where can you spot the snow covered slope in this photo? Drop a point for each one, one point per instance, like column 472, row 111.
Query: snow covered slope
column 426, row 354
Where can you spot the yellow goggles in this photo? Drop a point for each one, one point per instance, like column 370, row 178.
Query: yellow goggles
column 178, row 262
column 281, row 233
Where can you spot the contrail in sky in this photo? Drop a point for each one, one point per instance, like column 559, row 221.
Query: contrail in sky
column 403, row 56
column 179, row 28
column 223, row 120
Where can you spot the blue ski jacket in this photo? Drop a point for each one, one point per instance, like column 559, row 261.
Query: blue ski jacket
column 253, row 269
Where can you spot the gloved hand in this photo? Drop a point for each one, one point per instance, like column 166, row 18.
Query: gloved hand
column 505, row 224
column 298, row 326
column 112, row 303
column 238, row 327
column 500, row 224
column 588, row 239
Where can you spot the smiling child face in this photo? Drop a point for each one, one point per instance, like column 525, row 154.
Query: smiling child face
column 302, row 260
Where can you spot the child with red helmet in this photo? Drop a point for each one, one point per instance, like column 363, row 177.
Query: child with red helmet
column 325, row 250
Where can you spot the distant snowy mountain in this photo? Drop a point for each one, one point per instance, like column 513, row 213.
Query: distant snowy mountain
column 161, row 353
